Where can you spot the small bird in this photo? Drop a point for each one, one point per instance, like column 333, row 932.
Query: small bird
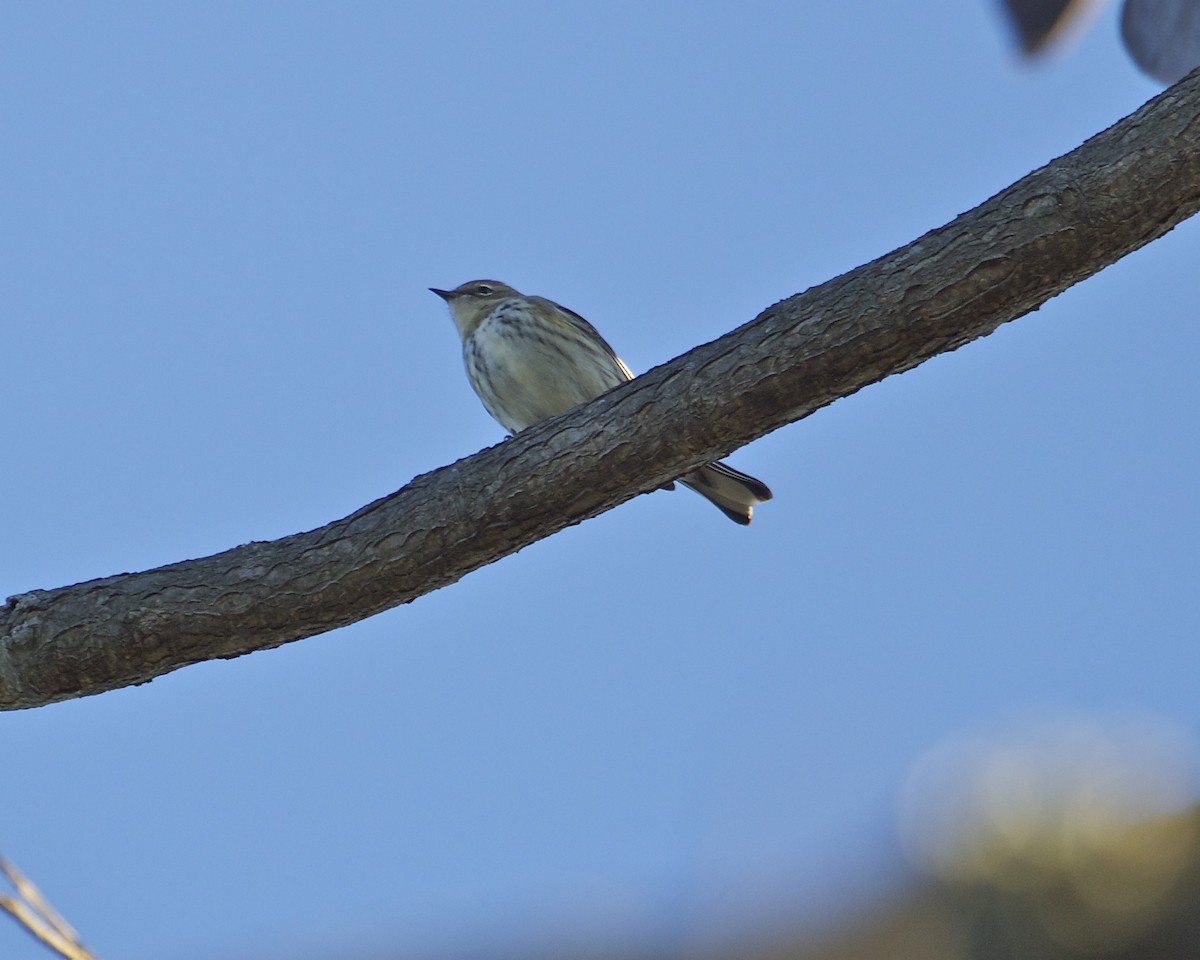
column 529, row 358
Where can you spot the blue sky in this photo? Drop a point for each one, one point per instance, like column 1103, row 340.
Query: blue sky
column 219, row 224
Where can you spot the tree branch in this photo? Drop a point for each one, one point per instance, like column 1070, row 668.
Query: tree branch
column 1062, row 223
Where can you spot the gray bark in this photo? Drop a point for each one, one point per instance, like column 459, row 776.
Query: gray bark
column 1062, row 223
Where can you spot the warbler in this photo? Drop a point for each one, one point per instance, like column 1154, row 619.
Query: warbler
column 528, row 358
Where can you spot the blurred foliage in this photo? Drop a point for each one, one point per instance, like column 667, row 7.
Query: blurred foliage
column 1054, row 838
column 1085, row 888
column 1038, row 23
column 1162, row 36
column 1109, row 891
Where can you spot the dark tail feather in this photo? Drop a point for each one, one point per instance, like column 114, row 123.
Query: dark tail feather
column 730, row 491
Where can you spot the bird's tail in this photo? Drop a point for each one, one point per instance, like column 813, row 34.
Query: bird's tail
column 730, row 491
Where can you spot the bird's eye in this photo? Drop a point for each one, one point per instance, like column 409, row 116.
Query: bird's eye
column 484, row 289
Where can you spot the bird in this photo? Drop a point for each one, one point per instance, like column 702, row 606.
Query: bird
column 529, row 358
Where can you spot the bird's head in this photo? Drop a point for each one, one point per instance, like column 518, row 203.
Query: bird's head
column 470, row 302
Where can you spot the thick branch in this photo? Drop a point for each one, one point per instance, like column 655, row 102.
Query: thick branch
column 1060, row 224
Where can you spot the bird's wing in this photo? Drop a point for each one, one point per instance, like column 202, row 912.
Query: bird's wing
column 575, row 320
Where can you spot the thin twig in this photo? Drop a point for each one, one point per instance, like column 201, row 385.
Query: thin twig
column 33, row 911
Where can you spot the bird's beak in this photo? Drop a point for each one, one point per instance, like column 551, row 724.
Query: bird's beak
column 446, row 295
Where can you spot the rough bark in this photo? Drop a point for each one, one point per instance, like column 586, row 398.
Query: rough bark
column 1062, row 223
